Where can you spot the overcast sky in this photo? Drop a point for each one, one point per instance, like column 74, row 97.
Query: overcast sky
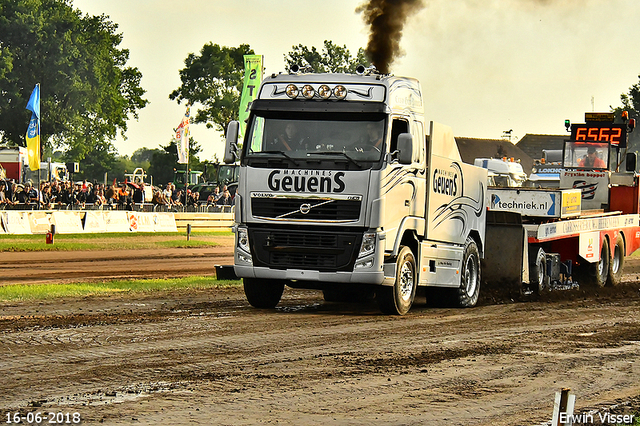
column 486, row 66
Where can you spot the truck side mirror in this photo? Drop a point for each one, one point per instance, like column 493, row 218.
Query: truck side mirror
column 231, row 146
column 631, row 162
column 405, row 148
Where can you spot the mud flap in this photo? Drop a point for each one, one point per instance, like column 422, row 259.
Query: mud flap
column 506, row 259
column 389, row 274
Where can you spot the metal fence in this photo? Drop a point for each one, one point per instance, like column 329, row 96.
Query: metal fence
column 145, row 207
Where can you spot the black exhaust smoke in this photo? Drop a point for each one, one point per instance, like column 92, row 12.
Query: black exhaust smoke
column 386, row 19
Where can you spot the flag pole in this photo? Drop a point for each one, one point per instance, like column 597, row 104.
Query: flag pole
column 186, row 185
column 39, row 148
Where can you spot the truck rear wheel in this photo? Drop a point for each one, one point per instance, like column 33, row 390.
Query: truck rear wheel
column 397, row 299
column 469, row 289
column 538, row 272
column 617, row 263
column 596, row 274
column 261, row 293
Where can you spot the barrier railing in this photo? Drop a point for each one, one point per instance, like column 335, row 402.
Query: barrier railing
column 145, row 207
column 101, row 220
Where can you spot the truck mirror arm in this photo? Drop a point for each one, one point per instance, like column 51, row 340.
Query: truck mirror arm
column 231, row 148
column 392, row 157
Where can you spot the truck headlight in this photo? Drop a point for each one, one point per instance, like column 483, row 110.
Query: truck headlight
column 243, row 239
column 368, row 245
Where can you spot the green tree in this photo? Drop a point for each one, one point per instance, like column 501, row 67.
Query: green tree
column 332, row 58
column 96, row 162
column 213, row 79
column 143, row 156
column 631, row 103
column 164, row 161
column 87, row 91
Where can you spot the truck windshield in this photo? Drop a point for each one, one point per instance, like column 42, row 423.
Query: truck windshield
column 301, row 139
column 592, row 155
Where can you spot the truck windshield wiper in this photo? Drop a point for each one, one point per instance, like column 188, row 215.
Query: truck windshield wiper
column 344, row 154
column 279, row 153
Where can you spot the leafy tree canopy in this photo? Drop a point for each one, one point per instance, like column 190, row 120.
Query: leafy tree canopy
column 631, row 103
column 332, row 58
column 214, row 80
column 165, row 160
column 214, row 77
column 87, row 91
column 144, row 155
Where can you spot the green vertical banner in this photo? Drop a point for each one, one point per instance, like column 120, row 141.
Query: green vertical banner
column 252, row 80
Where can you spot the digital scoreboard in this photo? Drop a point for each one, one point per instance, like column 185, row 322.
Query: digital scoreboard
column 615, row 134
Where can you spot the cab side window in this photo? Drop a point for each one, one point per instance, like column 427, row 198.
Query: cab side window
column 398, row 126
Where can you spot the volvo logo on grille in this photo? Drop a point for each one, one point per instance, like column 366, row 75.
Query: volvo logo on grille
column 305, row 208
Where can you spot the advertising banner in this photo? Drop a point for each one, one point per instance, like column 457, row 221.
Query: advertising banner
column 94, row 222
column 16, row 222
column 67, row 222
column 165, row 222
column 39, row 222
column 116, row 221
column 589, row 246
column 594, row 186
column 535, row 202
column 146, row 222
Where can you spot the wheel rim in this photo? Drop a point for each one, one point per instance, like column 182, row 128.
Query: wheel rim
column 406, row 281
column 603, row 265
column 615, row 265
column 540, row 266
column 470, row 275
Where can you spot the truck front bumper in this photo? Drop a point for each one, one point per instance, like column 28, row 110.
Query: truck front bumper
column 360, row 277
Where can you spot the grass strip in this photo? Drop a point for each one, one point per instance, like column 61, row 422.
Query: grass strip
column 115, row 241
column 52, row 291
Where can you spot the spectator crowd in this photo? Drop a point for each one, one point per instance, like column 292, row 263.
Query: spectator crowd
column 121, row 196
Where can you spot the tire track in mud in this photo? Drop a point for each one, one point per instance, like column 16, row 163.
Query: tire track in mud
column 156, row 357
column 48, row 267
column 324, row 355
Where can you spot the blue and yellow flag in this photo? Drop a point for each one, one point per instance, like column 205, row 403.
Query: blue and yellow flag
column 33, row 132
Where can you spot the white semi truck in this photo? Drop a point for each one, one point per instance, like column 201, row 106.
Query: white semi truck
column 341, row 189
column 344, row 188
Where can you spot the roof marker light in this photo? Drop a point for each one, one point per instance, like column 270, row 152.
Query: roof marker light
column 292, row 91
column 324, row 91
column 308, row 92
column 340, row 92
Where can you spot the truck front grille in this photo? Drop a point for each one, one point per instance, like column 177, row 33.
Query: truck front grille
column 297, row 249
column 301, row 208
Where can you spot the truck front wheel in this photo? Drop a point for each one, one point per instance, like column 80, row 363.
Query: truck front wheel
column 261, row 293
column 469, row 289
column 397, row 299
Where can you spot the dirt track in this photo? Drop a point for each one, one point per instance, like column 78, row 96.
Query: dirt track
column 206, row 357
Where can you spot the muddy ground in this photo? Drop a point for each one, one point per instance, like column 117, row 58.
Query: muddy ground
column 207, row 357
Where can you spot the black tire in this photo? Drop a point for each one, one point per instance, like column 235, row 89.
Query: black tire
column 332, row 294
column 263, row 294
column 469, row 289
column 538, row 272
column 596, row 274
column 617, row 263
column 397, row 299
